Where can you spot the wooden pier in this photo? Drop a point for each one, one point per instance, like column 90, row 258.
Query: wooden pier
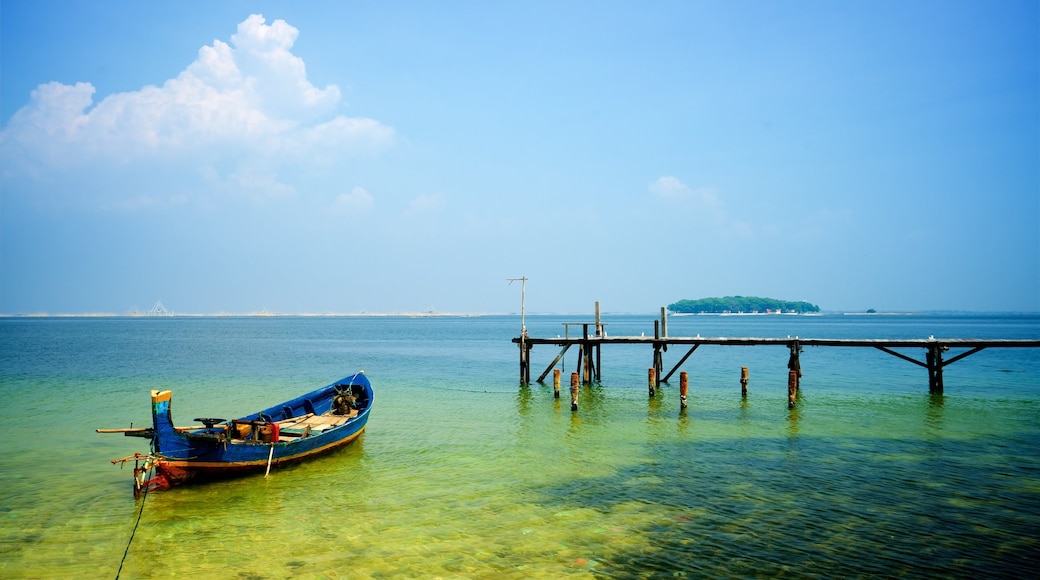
column 593, row 338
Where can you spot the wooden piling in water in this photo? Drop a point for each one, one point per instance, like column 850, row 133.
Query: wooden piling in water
column 792, row 387
column 574, row 391
column 793, row 363
column 684, row 385
column 556, row 383
column 934, row 362
column 525, row 357
column 651, row 374
column 600, row 333
column 743, row 381
column 589, row 368
column 659, row 346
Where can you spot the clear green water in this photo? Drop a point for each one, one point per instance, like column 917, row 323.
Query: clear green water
column 464, row 473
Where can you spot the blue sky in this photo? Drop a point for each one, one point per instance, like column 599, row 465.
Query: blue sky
column 341, row 157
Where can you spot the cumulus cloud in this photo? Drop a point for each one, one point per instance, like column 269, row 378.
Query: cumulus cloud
column 263, row 53
column 425, row 204
column 239, row 105
column 353, row 201
column 702, row 203
column 670, row 188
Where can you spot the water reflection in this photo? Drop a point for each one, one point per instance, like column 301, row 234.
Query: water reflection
column 794, row 415
column 574, row 429
column 591, row 396
column 684, row 421
column 654, row 406
column 523, row 400
column 745, row 412
column 934, row 414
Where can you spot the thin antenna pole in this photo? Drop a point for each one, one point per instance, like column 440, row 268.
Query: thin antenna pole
column 523, row 300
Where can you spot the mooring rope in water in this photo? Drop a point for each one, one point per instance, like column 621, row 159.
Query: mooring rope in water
column 132, row 533
column 480, row 391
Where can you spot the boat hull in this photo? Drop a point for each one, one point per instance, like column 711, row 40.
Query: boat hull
column 293, row 431
column 170, row 472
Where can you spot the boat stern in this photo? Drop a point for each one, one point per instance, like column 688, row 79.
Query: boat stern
column 166, row 439
column 162, row 419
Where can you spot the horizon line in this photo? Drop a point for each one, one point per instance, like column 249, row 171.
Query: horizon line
column 436, row 314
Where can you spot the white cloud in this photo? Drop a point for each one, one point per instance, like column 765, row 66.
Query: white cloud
column 425, row 204
column 262, row 185
column 671, row 189
column 264, row 53
column 353, row 201
column 701, row 203
column 247, row 104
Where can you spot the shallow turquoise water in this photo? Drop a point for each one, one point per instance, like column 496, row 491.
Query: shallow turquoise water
column 465, row 473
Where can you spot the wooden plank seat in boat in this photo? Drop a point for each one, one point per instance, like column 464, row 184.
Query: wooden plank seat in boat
column 310, row 424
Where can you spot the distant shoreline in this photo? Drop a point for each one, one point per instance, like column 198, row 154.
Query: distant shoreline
column 149, row 316
column 257, row 315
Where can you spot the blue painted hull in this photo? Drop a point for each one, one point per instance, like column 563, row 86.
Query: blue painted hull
column 285, row 433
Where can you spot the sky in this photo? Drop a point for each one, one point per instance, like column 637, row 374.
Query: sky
column 389, row 157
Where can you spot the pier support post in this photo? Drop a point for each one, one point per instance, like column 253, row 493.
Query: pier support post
column 556, row 383
column 599, row 364
column 589, row 368
column 600, row 333
column 574, row 391
column 792, row 387
column 793, row 363
column 651, row 375
column 935, row 368
column 658, row 357
column 599, row 326
column 684, row 386
column 743, row 382
column 525, row 360
column 586, row 373
column 658, row 363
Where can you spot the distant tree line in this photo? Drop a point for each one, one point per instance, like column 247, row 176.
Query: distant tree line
column 740, row 304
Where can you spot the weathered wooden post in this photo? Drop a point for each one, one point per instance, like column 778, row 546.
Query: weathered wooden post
column 929, row 358
column 525, row 351
column 683, row 388
column 587, row 368
column 556, row 383
column 935, row 368
column 651, row 375
column 793, row 363
column 743, row 381
column 599, row 327
column 574, row 391
column 792, row 387
column 600, row 333
column 658, row 358
column 599, row 361
column 658, row 364
column 527, row 371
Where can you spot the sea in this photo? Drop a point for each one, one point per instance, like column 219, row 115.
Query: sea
column 464, row 472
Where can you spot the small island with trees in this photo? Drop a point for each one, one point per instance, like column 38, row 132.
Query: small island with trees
column 745, row 304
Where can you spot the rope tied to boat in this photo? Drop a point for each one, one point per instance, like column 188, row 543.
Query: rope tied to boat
column 149, row 463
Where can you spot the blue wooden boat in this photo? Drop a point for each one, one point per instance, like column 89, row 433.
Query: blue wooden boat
column 295, row 430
